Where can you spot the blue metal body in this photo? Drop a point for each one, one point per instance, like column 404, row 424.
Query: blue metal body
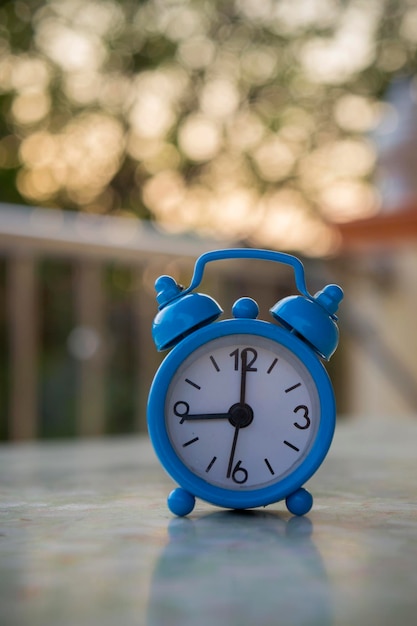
column 185, row 322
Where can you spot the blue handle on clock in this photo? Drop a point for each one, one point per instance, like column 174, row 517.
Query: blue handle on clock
column 182, row 311
column 248, row 253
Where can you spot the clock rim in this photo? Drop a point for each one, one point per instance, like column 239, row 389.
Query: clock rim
column 197, row 486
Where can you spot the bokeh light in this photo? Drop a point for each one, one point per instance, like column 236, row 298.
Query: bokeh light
column 232, row 118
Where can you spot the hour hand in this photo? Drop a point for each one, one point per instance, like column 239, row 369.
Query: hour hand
column 205, row 416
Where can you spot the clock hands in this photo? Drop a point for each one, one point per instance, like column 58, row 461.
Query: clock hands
column 206, row 416
column 241, row 414
column 244, row 359
column 232, row 452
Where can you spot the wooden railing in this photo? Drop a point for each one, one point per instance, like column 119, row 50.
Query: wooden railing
column 88, row 243
column 37, row 390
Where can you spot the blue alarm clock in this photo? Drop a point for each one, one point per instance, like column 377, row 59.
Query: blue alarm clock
column 241, row 412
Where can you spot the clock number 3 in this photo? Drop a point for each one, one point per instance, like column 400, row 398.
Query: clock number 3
column 302, row 407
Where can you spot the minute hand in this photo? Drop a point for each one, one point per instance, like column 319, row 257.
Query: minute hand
column 244, row 358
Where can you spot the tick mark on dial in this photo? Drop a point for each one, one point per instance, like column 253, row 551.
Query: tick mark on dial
column 188, row 443
column 293, row 387
column 190, row 382
column 213, row 360
column 210, row 465
column 268, row 464
column 271, row 367
column 292, row 446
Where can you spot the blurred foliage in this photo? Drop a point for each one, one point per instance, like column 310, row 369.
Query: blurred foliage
column 122, row 385
column 234, row 118
column 57, row 370
column 4, row 354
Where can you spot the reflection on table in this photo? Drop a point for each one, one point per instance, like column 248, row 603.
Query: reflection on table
column 232, row 567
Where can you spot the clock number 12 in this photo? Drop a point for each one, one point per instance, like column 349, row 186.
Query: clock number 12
column 250, row 360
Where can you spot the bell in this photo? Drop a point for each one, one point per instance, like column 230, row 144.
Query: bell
column 313, row 319
column 179, row 315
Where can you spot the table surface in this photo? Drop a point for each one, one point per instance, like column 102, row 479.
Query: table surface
column 86, row 539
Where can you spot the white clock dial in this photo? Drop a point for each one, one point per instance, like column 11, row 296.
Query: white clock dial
column 242, row 412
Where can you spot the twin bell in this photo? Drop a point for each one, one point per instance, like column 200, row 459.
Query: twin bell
column 183, row 311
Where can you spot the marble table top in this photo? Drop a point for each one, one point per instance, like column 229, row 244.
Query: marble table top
column 86, row 539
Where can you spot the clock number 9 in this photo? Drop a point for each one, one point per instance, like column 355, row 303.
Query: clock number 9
column 239, row 474
column 181, row 409
column 304, row 408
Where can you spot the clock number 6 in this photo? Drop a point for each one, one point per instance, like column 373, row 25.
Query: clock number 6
column 239, row 474
column 302, row 407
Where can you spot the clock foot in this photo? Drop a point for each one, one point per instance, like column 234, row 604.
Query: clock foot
column 299, row 502
column 181, row 502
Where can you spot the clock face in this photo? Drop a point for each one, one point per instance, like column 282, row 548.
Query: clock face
column 242, row 412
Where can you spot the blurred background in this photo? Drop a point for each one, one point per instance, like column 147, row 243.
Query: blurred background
column 136, row 135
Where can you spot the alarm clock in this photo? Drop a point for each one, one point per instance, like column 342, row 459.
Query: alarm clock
column 241, row 412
